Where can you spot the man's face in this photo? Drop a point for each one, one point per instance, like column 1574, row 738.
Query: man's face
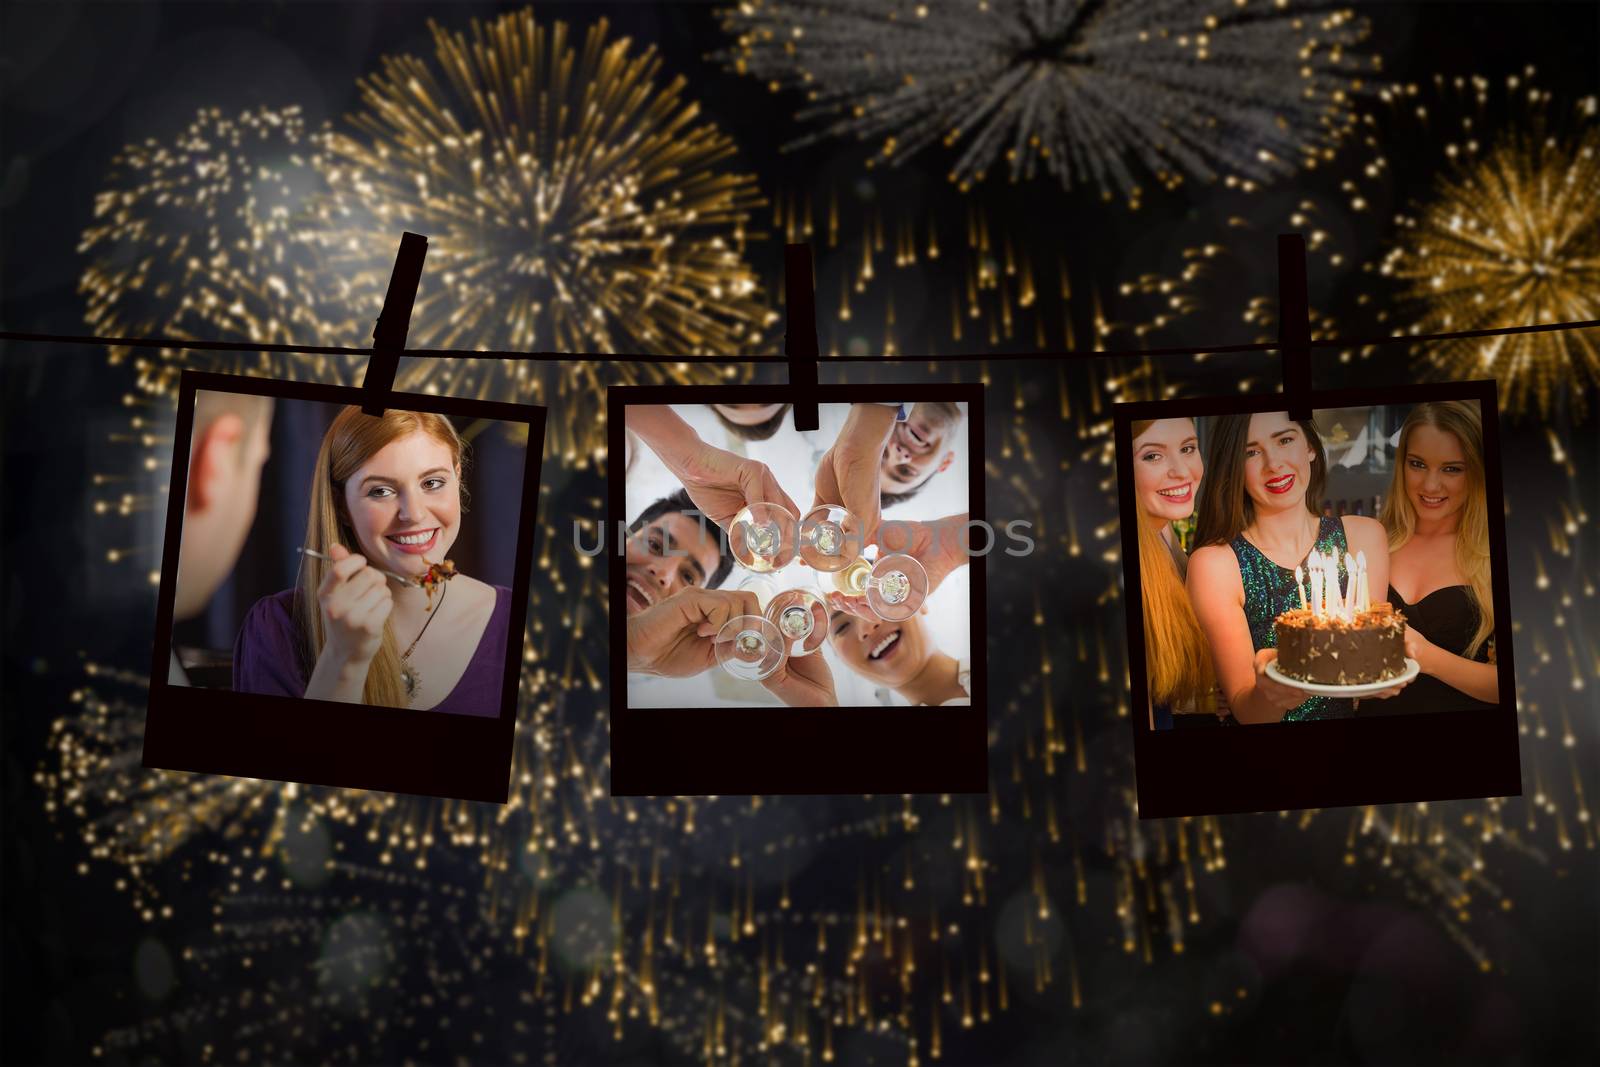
column 920, row 447
column 247, row 488
column 670, row 553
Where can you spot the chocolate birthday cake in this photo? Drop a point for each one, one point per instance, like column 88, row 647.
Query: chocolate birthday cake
column 1327, row 650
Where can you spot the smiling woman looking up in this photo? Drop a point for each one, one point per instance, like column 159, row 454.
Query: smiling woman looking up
column 386, row 505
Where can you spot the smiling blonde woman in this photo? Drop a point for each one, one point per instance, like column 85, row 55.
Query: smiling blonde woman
column 1437, row 519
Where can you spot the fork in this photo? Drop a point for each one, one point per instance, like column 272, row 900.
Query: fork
column 404, row 579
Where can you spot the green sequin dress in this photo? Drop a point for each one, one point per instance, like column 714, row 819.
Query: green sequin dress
column 1269, row 591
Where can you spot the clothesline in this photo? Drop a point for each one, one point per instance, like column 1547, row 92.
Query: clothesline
column 578, row 357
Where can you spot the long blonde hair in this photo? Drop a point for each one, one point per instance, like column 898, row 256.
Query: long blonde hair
column 1399, row 515
column 1177, row 659
column 351, row 440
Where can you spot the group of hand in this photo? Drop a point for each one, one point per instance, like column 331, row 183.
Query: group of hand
column 676, row 637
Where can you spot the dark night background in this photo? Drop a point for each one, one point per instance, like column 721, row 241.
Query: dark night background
column 1345, row 958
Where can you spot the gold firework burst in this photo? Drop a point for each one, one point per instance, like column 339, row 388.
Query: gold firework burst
column 1106, row 95
column 573, row 201
column 199, row 238
column 1509, row 237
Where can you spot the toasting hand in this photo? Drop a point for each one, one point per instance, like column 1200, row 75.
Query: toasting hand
column 675, row 637
column 803, row 682
column 849, row 473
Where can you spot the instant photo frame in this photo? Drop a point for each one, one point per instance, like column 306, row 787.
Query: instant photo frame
column 319, row 742
column 786, row 750
column 1443, row 755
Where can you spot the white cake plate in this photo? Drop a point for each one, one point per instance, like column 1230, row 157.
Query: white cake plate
column 1413, row 668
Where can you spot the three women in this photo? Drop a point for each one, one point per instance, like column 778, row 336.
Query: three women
column 1257, row 520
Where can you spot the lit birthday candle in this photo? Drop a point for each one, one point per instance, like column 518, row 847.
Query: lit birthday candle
column 1347, row 603
column 1330, row 586
column 1335, row 600
column 1299, row 586
column 1332, row 583
column 1314, row 580
column 1364, row 597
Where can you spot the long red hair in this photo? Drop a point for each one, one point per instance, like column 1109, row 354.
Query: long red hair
column 351, row 440
column 1177, row 659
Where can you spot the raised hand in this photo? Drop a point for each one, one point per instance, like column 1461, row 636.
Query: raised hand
column 721, row 484
column 356, row 601
column 938, row 545
column 849, row 473
column 675, row 637
column 803, row 682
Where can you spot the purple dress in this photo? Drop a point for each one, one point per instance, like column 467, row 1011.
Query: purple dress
column 266, row 657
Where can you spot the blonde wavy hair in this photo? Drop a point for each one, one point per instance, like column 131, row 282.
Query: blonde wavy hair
column 350, row 442
column 1177, row 659
column 1399, row 516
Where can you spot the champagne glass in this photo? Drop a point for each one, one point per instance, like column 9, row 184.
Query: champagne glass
column 762, row 537
column 895, row 585
column 749, row 647
column 802, row 618
column 799, row 613
column 824, row 544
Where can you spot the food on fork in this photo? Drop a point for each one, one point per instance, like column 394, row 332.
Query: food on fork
column 438, row 574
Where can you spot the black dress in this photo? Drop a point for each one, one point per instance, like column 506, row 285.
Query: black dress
column 1448, row 617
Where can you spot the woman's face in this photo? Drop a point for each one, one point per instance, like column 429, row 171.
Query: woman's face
column 1277, row 461
column 1437, row 480
column 889, row 653
column 1167, row 469
column 405, row 504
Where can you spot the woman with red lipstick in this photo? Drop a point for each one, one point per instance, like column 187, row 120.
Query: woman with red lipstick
column 386, row 496
column 1437, row 520
column 1257, row 523
column 1167, row 470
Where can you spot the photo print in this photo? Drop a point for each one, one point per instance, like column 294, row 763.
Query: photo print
column 343, row 595
column 1339, row 580
column 797, row 612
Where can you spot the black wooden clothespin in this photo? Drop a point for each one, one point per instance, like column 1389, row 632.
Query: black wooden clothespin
column 394, row 322
column 1294, row 325
column 800, row 337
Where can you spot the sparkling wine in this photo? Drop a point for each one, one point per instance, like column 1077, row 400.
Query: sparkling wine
column 749, row 647
column 763, row 539
column 852, row 581
column 896, row 587
column 824, row 545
